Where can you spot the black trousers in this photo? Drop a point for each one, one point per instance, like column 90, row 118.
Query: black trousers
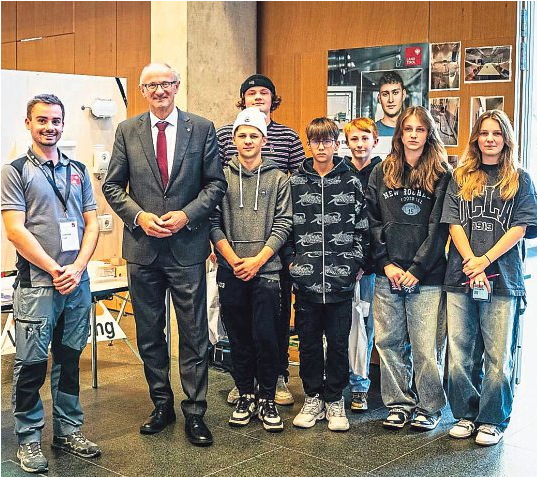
column 284, row 319
column 312, row 320
column 249, row 312
column 148, row 285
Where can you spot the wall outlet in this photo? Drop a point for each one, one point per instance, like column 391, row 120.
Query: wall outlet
column 105, row 222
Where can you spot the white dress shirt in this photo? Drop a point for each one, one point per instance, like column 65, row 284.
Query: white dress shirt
column 171, row 135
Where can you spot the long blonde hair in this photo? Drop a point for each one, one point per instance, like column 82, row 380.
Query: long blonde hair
column 432, row 163
column 471, row 179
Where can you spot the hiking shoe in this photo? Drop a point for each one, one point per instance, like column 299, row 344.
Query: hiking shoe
column 335, row 413
column 312, row 411
column 397, row 418
column 488, row 435
column 245, row 410
column 233, row 396
column 32, row 458
column 283, row 396
column 268, row 414
column 463, row 429
column 76, row 444
column 425, row 422
column 359, row 402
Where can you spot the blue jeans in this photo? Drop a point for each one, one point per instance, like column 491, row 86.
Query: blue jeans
column 482, row 342
column 43, row 316
column 367, row 286
column 406, row 329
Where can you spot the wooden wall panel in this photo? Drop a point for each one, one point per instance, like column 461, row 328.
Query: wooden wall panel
column 294, row 27
column 134, row 49
column 454, row 21
column 9, row 22
column 55, row 54
column 41, row 19
column 95, row 38
column 9, row 56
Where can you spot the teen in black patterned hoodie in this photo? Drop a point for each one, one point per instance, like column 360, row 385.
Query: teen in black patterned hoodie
column 329, row 242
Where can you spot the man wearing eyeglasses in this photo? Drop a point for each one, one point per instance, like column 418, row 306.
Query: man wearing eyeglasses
column 164, row 181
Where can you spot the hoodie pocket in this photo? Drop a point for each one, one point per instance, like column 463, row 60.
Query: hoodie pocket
column 306, row 270
column 403, row 241
column 247, row 249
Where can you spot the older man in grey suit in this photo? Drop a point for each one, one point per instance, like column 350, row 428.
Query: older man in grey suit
column 164, row 181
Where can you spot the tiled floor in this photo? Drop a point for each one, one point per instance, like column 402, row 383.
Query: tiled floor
column 115, row 410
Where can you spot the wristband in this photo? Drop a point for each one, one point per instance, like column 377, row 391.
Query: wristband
column 485, row 255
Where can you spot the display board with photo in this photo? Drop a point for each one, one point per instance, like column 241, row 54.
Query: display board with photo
column 480, row 104
column 487, row 64
column 387, row 80
column 445, row 65
column 445, row 112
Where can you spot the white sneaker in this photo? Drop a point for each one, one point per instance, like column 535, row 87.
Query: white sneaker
column 488, row 435
column 233, row 396
column 462, row 429
column 283, row 396
column 269, row 415
column 335, row 413
column 312, row 411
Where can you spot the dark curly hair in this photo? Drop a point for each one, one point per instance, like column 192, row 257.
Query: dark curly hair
column 276, row 101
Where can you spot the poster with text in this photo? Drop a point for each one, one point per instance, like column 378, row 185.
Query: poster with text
column 383, row 80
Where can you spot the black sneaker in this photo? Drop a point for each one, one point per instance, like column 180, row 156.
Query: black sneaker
column 76, row 444
column 425, row 422
column 268, row 414
column 31, row 457
column 359, row 402
column 397, row 418
column 245, row 410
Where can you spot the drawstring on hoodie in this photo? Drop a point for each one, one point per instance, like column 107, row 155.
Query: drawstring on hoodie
column 257, row 186
column 241, row 205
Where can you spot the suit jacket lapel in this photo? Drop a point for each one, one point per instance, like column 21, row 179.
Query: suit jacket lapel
column 144, row 131
column 184, row 131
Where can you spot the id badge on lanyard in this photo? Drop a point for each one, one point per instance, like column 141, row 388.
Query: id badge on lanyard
column 69, row 235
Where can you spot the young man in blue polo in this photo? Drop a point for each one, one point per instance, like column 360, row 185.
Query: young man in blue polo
column 49, row 213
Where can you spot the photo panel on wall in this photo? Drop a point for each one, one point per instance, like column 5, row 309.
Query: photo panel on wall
column 480, row 104
column 487, row 64
column 378, row 83
column 445, row 112
column 445, row 65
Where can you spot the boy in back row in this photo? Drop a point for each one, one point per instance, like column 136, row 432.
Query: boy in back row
column 328, row 246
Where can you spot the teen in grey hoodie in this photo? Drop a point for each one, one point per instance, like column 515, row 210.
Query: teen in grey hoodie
column 247, row 229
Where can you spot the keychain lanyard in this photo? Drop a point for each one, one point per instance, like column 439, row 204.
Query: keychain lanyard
column 53, row 183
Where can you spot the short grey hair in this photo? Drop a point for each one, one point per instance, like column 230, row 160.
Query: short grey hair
column 152, row 66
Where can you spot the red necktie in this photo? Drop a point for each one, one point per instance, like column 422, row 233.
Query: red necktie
column 162, row 155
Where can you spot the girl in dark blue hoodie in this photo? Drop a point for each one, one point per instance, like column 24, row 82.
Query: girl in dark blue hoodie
column 404, row 198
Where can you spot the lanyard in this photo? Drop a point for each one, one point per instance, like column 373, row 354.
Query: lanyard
column 53, row 183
